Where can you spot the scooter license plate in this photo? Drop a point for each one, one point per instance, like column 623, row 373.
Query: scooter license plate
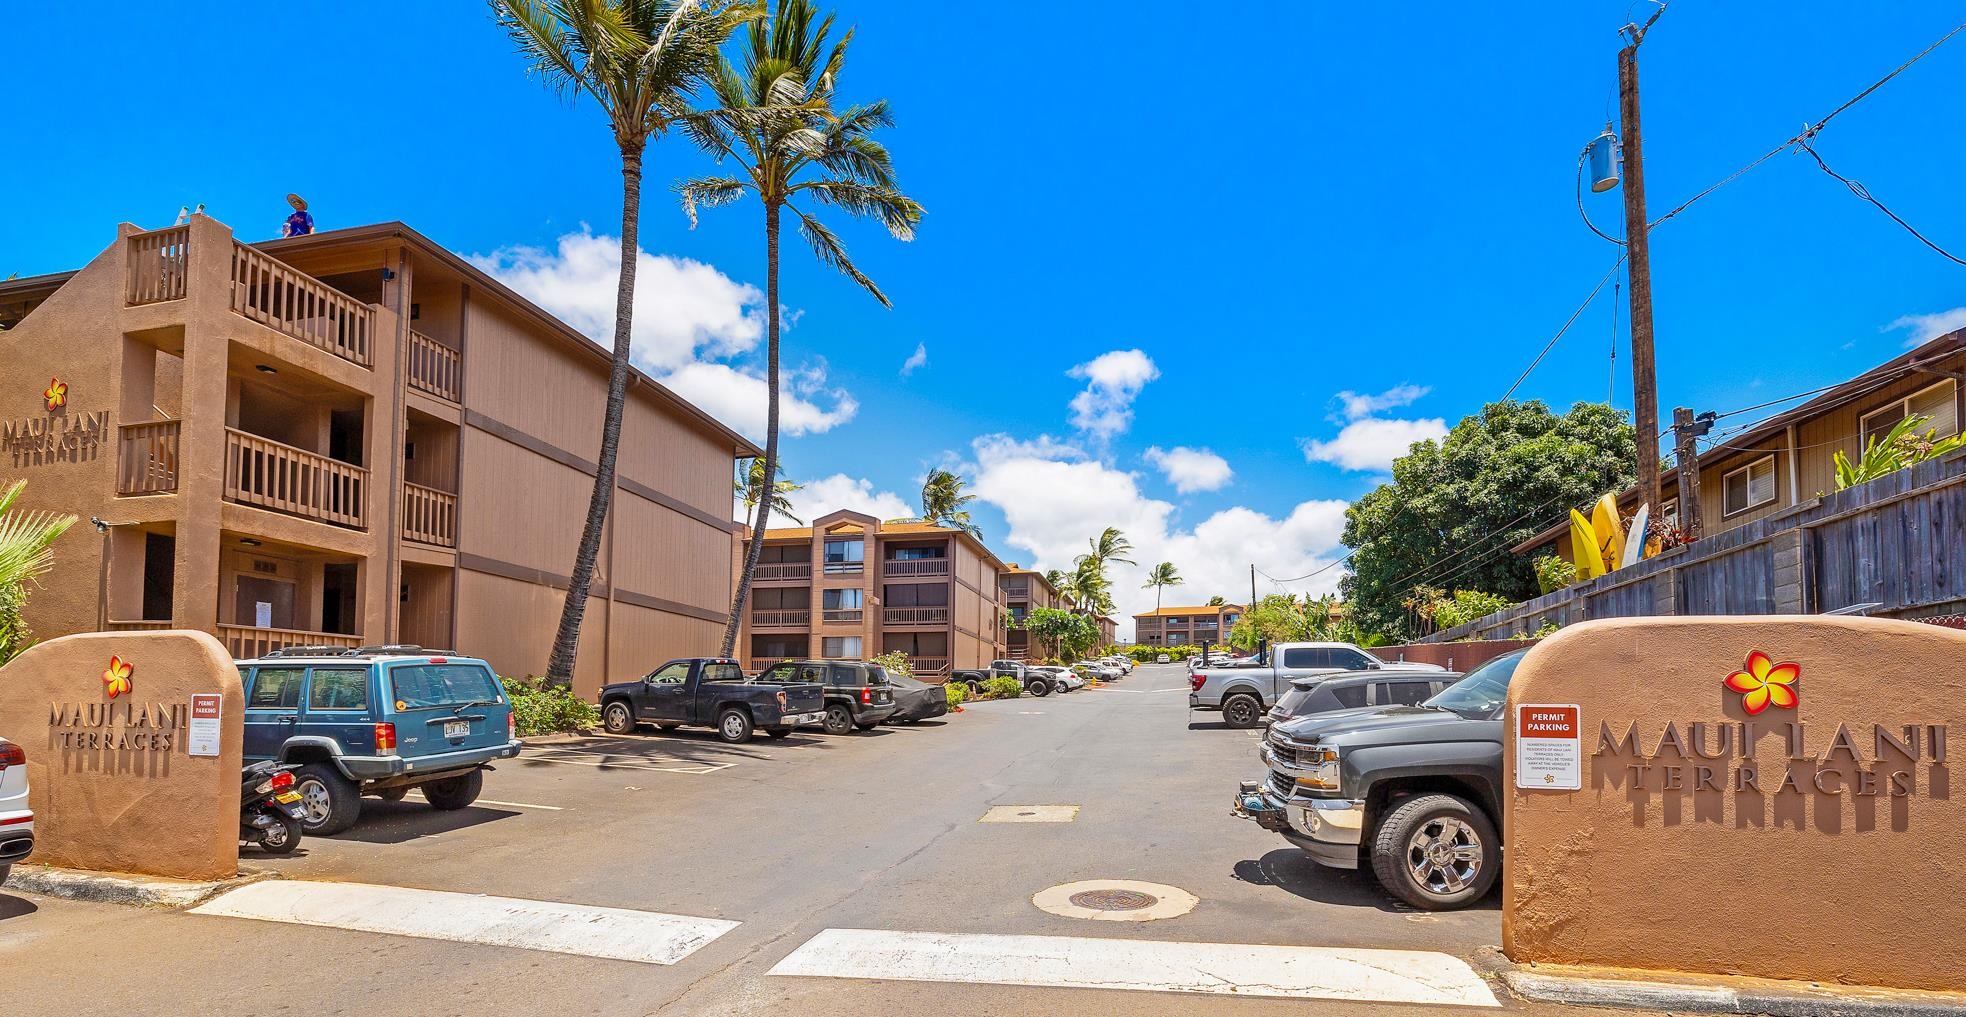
column 287, row 797
column 457, row 729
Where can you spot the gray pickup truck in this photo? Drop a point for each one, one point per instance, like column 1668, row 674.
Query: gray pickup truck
column 1416, row 790
column 1244, row 693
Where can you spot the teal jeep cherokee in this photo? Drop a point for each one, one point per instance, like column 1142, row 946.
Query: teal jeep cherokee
column 379, row 720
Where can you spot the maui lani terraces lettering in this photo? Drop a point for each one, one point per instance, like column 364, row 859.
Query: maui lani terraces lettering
column 54, row 438
column 1726, row 756
column 124, row 726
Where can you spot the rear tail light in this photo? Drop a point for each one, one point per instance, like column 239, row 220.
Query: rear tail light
column 1195, row 683
column 781, row 701
column 511, row 726
column 385, row 737
column 12, row 755
column 281, row 780
column 866, row 697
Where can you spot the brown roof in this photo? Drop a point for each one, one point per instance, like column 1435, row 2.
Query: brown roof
column 899, row 528
column 1204, row 609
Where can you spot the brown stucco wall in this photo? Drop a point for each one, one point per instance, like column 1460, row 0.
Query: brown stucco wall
column 1812, row 882
column 155, row 810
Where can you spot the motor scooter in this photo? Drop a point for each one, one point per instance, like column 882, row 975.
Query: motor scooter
column 270, row 810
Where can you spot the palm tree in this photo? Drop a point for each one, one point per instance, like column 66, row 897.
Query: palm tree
column 1159, row 577
column 1217, row 601
column 777, row 122
column 1089, row 569
column 754, row 482
column 943, row 500
column 1111, row 546
column 639, row 60
column 26, row 542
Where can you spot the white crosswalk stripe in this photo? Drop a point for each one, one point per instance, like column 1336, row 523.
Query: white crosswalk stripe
column 613, row 933
column 1390, row 976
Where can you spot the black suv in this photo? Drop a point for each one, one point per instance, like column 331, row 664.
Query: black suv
column 857, row 692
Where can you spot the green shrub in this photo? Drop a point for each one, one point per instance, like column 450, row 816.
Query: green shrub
column 896, row 662
column 1002, row 687
column 1554, row 573
column 542, row 708
column 957, row 692
column 1146, row 654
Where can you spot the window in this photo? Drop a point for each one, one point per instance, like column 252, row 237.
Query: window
column 1353, row 660
column 339, row 688
column 916, row 553
column 276, row 688
column 844, row 551
column 1349, row 696
column 671, row 674
column 1935, row 401
column 779, row 674
column 841, row 600
column 838, row 647
column 813, row 674
column 426, row 685
column 1401, row 693
column 1308, row 656
column 724, row 672
column 1749, row 486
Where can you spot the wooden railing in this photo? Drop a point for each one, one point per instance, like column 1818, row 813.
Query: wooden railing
column 146, row 457
column 146, row 625
column 780, row 619
column 247, row 642
column 845, row 568
column 759, row 664
column 782, row 570
column 842, row 616
column 917, row 616
column 287, row 479
column 929, row 665
column 436, row 368
column 157, row 268
column 429, row 515
column 1017, row 593
column 294, row 303
column 915, row 567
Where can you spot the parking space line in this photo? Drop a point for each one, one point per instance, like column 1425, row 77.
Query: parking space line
column 697, row 768
column 613, row 933
column 1390, row 976
column 509, row 805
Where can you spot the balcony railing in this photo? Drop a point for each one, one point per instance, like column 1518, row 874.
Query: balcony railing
column 902, row 568
column 146, row 457
column 929, row 665
column 157, row 265
column 845, row 568
column 760, row 663
column 247, row 642
column 291, row 480
column 1017, row 593
column 429, row 515
column 435, row 368
column 781, row 619
column 294, row 303
column 778, row 571
column 916, row 616
column 846, row 616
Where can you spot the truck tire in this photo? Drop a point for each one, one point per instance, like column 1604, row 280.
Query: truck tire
column 1242, row 710
column 1038, row 687
column 839, row 719
column 1437, row 852
column 453, row 793
column 734, row 725
column 617, row 717
column 332, row 803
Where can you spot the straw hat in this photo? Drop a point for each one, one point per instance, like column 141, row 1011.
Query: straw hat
column 297, row 201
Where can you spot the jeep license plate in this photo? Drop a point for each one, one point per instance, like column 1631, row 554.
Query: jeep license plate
column 457, row 729
column 287, row 797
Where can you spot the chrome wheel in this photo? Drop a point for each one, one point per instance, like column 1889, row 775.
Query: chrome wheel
column 1444, row 855
column 733, row 726
column 314, row 801
column 275, row 837
column 619, row 720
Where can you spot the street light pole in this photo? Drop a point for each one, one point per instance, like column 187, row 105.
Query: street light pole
column 1645, row 395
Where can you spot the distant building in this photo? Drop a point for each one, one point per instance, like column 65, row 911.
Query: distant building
column 1183, row 626
column 1025, row 590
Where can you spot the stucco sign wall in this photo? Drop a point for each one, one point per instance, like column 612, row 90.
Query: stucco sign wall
column 1759, row 796
column 117, row 780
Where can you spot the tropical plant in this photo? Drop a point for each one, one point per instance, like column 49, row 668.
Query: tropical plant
column 1159, row 578
column 639, row 60
column 754, row 482
column 896, row 662
column 943, row 500
column 1901, row 448
column 1217, row 601
column 1001, row 687
column 1464, row 606
column 26, row 554
column 1088, row 583
column 958, row 693
column 543, row 707
column 1554, row 572
column 1065, row 634
column 1284, row 618
column 777, row 122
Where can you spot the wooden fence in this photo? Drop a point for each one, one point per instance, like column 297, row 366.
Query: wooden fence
column 157, row 265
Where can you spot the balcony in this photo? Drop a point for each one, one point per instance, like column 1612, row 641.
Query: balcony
column 296, row 304
column 781, row 619
column 429, row 515
column 435, row 369
column 845, row 568
column 929, row 665
column 906, row 616
column 1017, row 592
column 146, row 457
column 900, row 568
column 782, row 571
column 295, row 481
column 842, row 616
column 247, row 643
column 157, row 270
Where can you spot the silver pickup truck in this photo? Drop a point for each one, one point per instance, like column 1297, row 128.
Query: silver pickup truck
column 1244, row 693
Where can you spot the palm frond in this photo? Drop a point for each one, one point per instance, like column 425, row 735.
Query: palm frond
column 896, row 211
column 708, row 192
column 831, row 253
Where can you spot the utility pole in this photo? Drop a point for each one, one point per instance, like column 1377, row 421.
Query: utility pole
column 1252, row 586
column 1686, row 458
column 1645, row 396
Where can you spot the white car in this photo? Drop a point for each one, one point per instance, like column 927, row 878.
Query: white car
column 16, row 819
column 1125, row 664
column 1099, row 668
column 1061, row 679
column 1162, row 658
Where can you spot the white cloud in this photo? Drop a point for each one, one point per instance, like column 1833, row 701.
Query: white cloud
column 1373, row 443
column 1354, row 405
column 919, row 358
column 738, row 397
column 839, row 491
column 1190, row 469
column 1055, row 499
column 1927, row 327
column 1114, row 379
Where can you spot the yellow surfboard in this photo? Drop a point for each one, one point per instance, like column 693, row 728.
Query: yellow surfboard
column 1606, row 526
column 1583, row 547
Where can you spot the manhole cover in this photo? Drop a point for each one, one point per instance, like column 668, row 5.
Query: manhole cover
column 1114, row 900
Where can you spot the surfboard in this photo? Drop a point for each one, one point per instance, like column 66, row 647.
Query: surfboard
column 1636, row 540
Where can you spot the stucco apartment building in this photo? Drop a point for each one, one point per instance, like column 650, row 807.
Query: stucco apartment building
column 851, row 586
column 1185, row 626
column 348, row 438
column 1789, row 458
column 1025, row 590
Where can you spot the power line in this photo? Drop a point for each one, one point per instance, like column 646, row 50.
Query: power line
column 1599, row 288
column 1862, row 192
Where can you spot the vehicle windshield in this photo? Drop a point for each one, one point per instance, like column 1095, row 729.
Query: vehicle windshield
column 1482, row 692
column 421, row 686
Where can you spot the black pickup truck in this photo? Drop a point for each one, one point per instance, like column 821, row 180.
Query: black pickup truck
column 711, row 692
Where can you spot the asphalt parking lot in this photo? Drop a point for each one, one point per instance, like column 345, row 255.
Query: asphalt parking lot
column 836, row 858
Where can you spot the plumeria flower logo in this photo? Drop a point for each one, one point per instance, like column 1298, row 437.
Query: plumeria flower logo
column 1762, row 683
column 116, row 680
column 56, row 395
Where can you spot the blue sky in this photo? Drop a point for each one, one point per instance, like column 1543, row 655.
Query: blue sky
column 1273, row 209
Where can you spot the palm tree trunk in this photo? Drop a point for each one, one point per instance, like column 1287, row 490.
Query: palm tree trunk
column 771, row 434
column 566, row 642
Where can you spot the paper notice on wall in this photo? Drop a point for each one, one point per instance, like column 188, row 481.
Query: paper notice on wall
column 262, row 615
column 203, row 737
column 1549, row 746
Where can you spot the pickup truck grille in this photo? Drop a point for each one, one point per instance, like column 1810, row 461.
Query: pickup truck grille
column 1284, row 752
column 1281, row 784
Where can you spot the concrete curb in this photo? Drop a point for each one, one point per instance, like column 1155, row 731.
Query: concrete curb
column 122, row 888
column 1691, row 997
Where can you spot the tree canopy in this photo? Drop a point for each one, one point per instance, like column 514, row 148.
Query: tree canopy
column 1454, row 507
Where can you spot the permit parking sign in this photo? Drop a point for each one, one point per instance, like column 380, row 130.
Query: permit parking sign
column 1549, row 746
column 203, row 737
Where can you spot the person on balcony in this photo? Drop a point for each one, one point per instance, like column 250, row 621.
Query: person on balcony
column 300, row 223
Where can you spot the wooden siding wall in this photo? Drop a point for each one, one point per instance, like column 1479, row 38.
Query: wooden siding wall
column 511, row 624
column 519, row 506
column 670, row 555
